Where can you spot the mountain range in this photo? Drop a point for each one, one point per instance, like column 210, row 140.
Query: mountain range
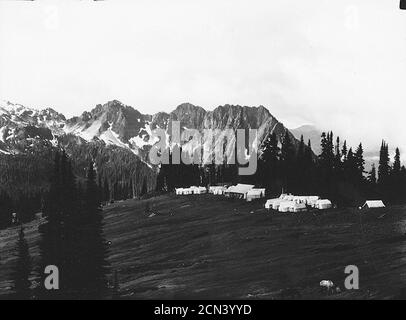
column 115, row 136
column 117, row 124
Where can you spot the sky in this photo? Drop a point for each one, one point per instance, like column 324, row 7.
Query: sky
column 340, row 65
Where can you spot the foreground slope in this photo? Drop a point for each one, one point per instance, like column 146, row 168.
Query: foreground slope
column 209, row 247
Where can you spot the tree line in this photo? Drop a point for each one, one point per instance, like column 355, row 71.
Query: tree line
column 338, row 173
column 71, row 238
column 24, row 179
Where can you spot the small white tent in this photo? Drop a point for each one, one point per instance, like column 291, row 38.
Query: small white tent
column 179, row 191
column 373, row 204
column 269, row 203
column 187, row 191
column 198, row 190
column 217, row 190
column 255, row 194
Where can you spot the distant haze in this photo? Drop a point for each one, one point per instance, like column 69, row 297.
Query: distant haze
column 339, row 65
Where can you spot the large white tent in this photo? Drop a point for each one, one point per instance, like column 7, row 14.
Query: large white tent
column 372, row 204
column 255, row 194
column 240, row 190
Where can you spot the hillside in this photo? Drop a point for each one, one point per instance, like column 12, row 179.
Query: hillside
column 212, row 247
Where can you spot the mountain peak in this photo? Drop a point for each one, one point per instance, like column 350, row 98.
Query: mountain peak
column 188, row 107
column 306, row 128
column 118, row 124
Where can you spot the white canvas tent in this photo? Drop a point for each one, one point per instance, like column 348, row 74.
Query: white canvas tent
column 373, row 204
column 255, row 194
column 298, row 207
column 179, row 191
column 323, row 204
column 312, row 200
column 187, row 191
column 239, row 191
column 289, row 197
column 269, row 203
column 217, row 190
column 286, row 206
column 198, row 190
column 276, row 204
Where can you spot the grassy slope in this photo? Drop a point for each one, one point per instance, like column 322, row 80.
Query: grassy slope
column 211, row 247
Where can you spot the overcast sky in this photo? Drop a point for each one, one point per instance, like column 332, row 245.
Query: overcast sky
column 335, row 64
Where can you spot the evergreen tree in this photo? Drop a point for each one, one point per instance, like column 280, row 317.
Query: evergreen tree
column 6, row 209
column 268, row 163
column 337, row 150
column 344, row 152
column 309, row 169
column 22, row 269
column 90, row 277
column 53, row 233
column 384, row 167
column 326, row 165
column 287, row 162
column 144, row 190
column 397, row 164
column 360, row 163
column 372, row 175
column 396, row 183
column 299, row 168
column 337, row 158
column 351, row 167
column 92, row 194
column 106, row 192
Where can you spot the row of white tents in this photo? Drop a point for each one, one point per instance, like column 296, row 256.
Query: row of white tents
column 241, row 191
column 291, row 203
column 285, row 203
column 190, row 190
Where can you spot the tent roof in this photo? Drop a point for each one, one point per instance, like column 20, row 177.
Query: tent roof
column 324, row 201
column 256, row 191
column 374, row 204
column 240, row 188
column 288, row 204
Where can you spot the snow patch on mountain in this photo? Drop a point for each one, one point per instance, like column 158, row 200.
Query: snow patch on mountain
column 144, row 138
column 111, row 138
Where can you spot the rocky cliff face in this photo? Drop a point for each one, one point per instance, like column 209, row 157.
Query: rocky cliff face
column 117, row 124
